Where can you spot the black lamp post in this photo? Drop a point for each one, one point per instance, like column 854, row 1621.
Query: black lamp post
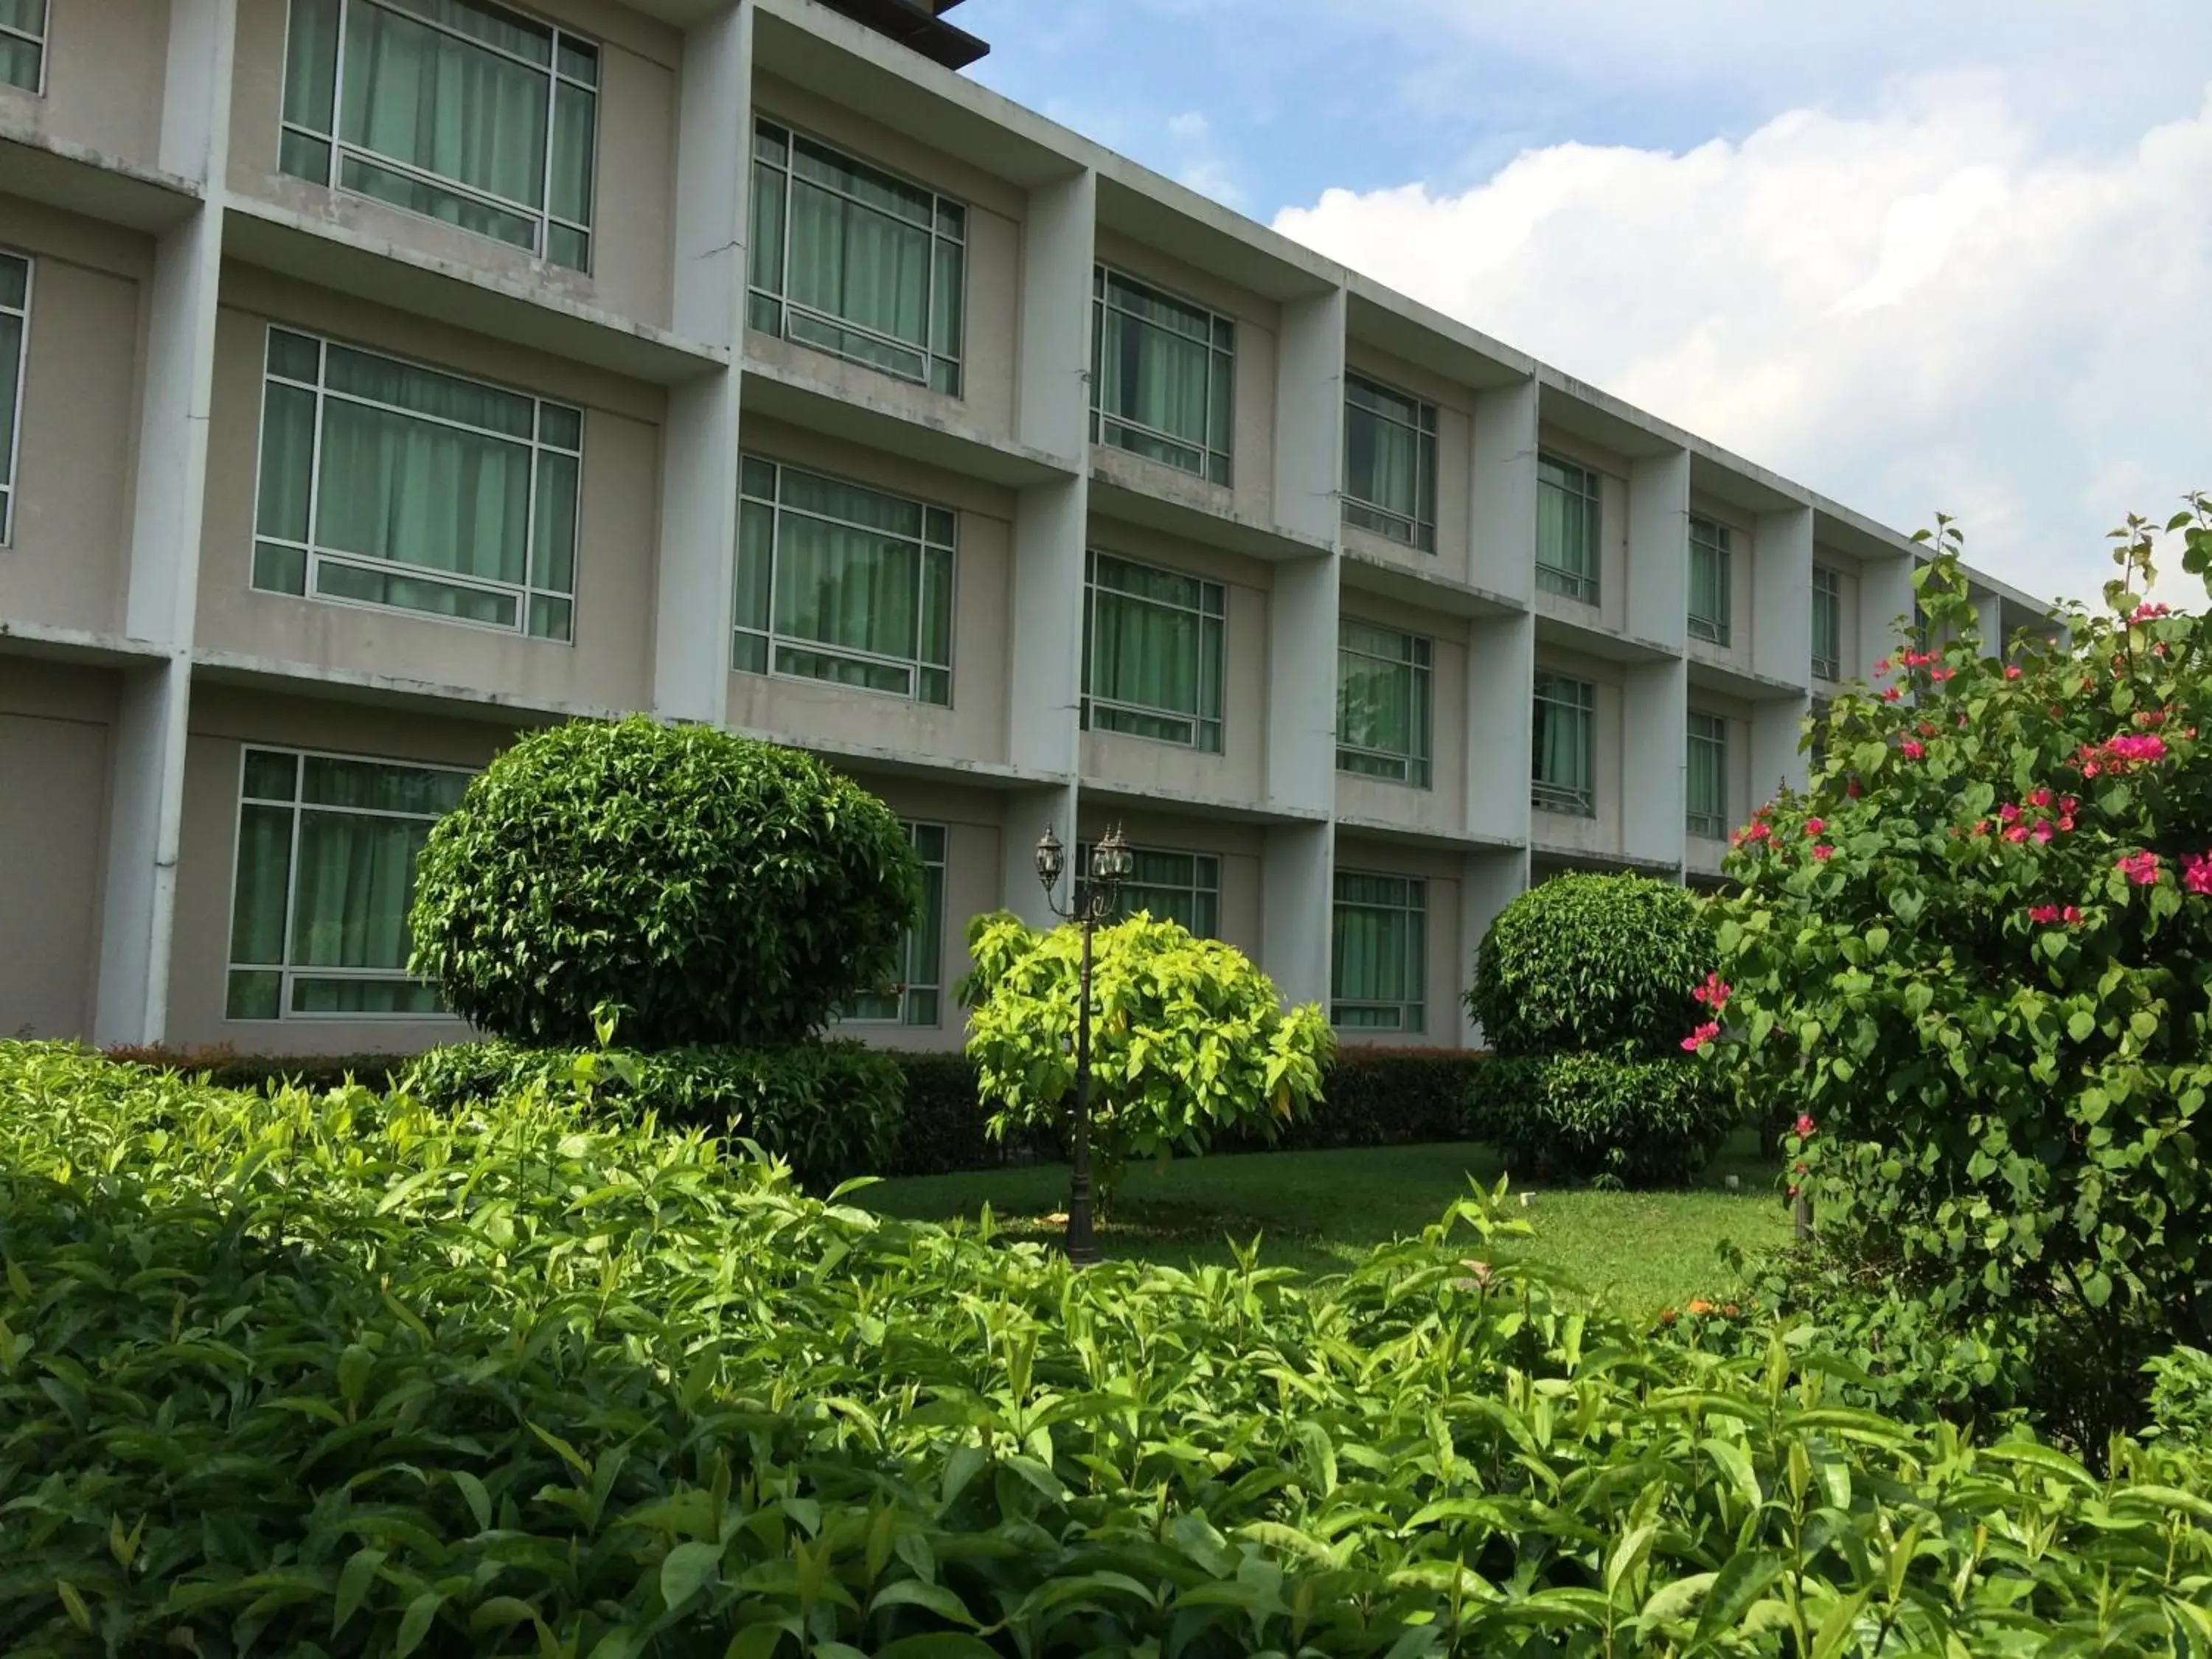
column 1109, row 868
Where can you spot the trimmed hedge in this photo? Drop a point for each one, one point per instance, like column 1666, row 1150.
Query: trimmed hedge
column 226, row 1068
column 1643, row 1123
column 1382, row 1097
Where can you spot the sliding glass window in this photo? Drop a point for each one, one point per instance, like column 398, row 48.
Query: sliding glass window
column 23, row 45
column 1567, row 524
column 919, row 998
column 387, row 484
column 325, row 874
column 1383, row 703
column 1710, row 592
column 1184, row 888
column 854, row 262
column 1563, row 771
column 14, row 340
column 1706, row 781
column 1389, row 463
column 1378, row 962
column 1827, row 623
column 1152, row 643
column 1163, row 376
column 462, row 112
column 838, row 582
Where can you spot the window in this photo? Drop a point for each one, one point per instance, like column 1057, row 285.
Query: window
column 23, row 44
column 15, row 339
column 919, row 999
column 1707, row 789
column 326, row 872
column 1566, row 529
column 840, row 583
column 1709, row 580
column 387, row 484
column 855, row 263
column 1564, row 770
column 1827, row 623
column 1383, row 703
column 1163, row 375
column 1378, row 968
column 1389, row 463
column 459, row 111
column 1184, row 888
column 1152, row 643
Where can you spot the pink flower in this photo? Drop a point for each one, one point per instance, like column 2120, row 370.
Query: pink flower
column 1891, row 694
column 2012, row 671
column 1883, row 667
column 1939, row 675
column 2196, row 872
column 2008, row 813
column 2017, row 833
column 2144, row 613
column 1823, row 851
column 2038, row 798
column 2070, row 915
column 1759, row 831
column 2141, row 868
column 1698, row 1039
column 1714, row 992
column 2044, row 914
column 2066, row 822
column 1983, row 827
column 1814, row 826
column 1911, row 748
column 2068, row 803
column 2042, row 832
column 1805, row 1125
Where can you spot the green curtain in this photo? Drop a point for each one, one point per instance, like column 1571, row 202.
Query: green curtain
column 1566, row 520
column 1707, row 781
column 351, row 891
column 1827, row 623
column 1709, row 577
column 1378, row 954
column 1379, row 704
column 264, row 868
column 438, row 104
column 575, row 120
column 1563, row 737
column 1153, row 376
column 434, row 497
column 1146, row 655
column 11, row 357
column 840, row 586
column 1383, row 463
column 850, row 262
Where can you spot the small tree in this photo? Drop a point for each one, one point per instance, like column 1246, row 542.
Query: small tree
column 1188, row 1038
column 707, row 887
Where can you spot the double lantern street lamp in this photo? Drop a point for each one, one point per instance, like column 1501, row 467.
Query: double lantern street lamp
column 1089, row 906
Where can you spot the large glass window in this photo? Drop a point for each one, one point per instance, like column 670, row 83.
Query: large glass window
column 1153, row 643
column 1378, row 965
column 1184, row 888
column 1163, row 376
column 15, row 334
column 1562, row 772
column 23, row 44
column 387, row 484
column 1567, row 523
column 1710, row 597
column 1706, row 780
column 454, row 109
column 1383, row 703
column 1827, row 623
column 1389, row 463
column 854, row 262
column 843, row 583
column 919, row 998
column 326, row 873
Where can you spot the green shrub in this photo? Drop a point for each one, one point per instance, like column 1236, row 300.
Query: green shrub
column 1188, row 1040
column 226, row 1068
column 343, row 1376
column 1592, row 963
column 1379, row 1097
column 1643, row 1123
column 710, row 888
column 831, row 1110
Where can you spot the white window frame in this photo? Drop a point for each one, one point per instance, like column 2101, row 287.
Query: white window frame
column 1714, row 735
column 1220, row 378
column 523, row 592
column 1570, row 800
column 1216, row 616
column 1580, row 585
column 42, row 42
column 1718, row 544
column 286, row 972
column 556, row 77
column 904, row 1020
column 1420, row 528
column 11, row 458
column 1827, row 586
column 1417, row 888
column 1417, row 767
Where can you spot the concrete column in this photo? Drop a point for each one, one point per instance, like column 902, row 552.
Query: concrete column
column 1309, row 417
column 162, row 574
column 1297, row 888
column 1488, row 883
column 1777, row 763
column 1043, row 705
column 1782, row 596
column 1886, row 600
column 1654, row 754
column 1501, row 678
column 1059, row 250
column 1503, row 514
column 1659, row 549
column 698, row 557
column 1989, row 616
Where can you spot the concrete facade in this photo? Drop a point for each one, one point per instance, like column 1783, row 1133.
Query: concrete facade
column 139, row 662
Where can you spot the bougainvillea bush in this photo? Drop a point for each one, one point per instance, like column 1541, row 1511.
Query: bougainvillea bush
column 1974, row 956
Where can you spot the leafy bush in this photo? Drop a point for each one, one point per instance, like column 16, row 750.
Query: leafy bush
column 1643, row 1123
column 831, row 1110
column 1592, row 963
column 339, row 1375
column 1974, row 956
column 709, row 888
column 1379, row 1097
column 226, row 1068
column 1188, row 1038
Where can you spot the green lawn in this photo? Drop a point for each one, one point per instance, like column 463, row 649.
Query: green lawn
column 1320, row 1211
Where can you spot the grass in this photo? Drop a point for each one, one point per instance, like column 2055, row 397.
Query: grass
column 1319, row 1211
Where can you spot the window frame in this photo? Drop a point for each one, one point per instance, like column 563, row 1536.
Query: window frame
column 41, row 42
column 1828, row 600
column 1582, row 587
column 286, row 972
column 1416, row 768
column 904, row 1020
column 1216, row 466
column 339, row 147
column 1205, row 897
column 928, row 351
column 524, row 592
column 11, row 458
column 919, row 668
column 1545, row 795
column 1417, row 960
column 1707, row 824
column 1420, row 529
column 1718, row 545
column 1217, row 618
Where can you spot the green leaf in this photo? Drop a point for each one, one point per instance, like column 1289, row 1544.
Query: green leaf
column 687, row 1570
column 354, row 1580
column 415, row 1623
column 479, row 1500
column 1742, row 1579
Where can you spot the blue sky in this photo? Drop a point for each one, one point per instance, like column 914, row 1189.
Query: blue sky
column 1879, row 246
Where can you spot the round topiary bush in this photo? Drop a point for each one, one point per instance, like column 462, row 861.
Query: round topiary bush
column 1581, row 1116
column 1590, row 964
column 708, row 888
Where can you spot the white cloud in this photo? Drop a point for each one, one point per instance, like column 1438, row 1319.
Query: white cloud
column 1921, row 307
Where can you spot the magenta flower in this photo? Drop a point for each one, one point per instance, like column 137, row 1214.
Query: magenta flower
column 2141, row 868
column 2196, row 872
column 1823, row 851
column 1698, row 1038
column 1911, row 748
